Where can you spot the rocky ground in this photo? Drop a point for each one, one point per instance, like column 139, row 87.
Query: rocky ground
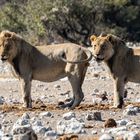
column 91, row 120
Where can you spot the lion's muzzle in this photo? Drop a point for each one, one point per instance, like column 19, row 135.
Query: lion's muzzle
column 4, row 57
column 99, row 57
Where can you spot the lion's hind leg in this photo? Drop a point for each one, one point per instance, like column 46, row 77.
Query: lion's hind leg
column 78, row 95
column 76, row 74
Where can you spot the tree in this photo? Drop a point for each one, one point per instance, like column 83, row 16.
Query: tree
column 45, row 21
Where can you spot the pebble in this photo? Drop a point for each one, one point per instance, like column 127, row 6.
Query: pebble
column 37, row 123
column 97, row 116
column 7, row 137
column 114, row 131
column 110, row 123
column 93, row 116
column 131, row 136
column 69, row 126
column 25, row 116
column 20, row 122
column 122, row 122
column 24, row 133
column 41, row 129
column 106, row 137
column 64, row 79
column 96, row 100
column 46, row 114
column 51, row 135
column 93, row 132
column 57, row 86
column 2, row 100
column 68, row 116
column 135, row 127
column 131, row 110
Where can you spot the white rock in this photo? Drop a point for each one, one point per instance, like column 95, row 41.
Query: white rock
column 37, row 123
column 96, row 90
column 64, row 79
column 21, row 122
column 25, row 116
column 51, row 135
column 46, row 114
column 131, row 136
column 134, row 127
column 89, row 116
column 33, row 119
column 7, row 137
column 129, row 111
column 103, row 130
column 132, row 107
column 21, row 129
column 120, row 133
column 69, row 126
column 106, row 137
column 129, row 124
column 69, row 115
column 114, row 131
column 2, row 100
column 122, row 122
column 94, row 132
column 41, row 129
column 56, row 86
column 96, row 100
column 24, row 133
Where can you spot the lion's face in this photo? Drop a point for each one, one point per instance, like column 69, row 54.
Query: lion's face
column 8, row 49
column 102, row 48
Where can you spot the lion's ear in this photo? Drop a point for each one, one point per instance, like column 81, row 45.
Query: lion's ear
column 93, row 38
column 9, row 35
column 110, row 38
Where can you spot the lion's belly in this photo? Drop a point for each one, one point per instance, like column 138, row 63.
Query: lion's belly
column 134, row 76
column 46, row 74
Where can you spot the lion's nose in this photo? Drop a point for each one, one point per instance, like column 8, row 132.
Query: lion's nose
column 3, row 56
column 98, row 54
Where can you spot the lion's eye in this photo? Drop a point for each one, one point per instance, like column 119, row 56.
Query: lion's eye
column 7, row 46
column 103, row 47
column 95, row 46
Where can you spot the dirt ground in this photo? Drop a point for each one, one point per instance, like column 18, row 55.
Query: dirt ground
column 46, row 97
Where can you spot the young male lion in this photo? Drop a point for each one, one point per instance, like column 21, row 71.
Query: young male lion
column 45, row 63
column 123, row 62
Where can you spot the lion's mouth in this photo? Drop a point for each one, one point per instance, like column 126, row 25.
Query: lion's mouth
column 4, row 58
column 99, row 59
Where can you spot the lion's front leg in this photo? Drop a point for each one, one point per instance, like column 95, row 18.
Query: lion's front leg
column 26, row 92
column 118, row 92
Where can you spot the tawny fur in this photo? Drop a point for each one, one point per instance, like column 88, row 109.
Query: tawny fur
column 123, row 62
column 44, row 63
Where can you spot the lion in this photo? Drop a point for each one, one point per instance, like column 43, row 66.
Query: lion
column 122, row 61
column 46, row 63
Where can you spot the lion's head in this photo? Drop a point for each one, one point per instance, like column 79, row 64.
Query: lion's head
column 8, row 48
column 102, row 47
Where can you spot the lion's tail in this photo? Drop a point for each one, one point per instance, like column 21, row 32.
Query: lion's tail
column 87, row 52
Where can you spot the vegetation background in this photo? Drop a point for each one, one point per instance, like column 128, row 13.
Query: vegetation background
column 55, row 21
